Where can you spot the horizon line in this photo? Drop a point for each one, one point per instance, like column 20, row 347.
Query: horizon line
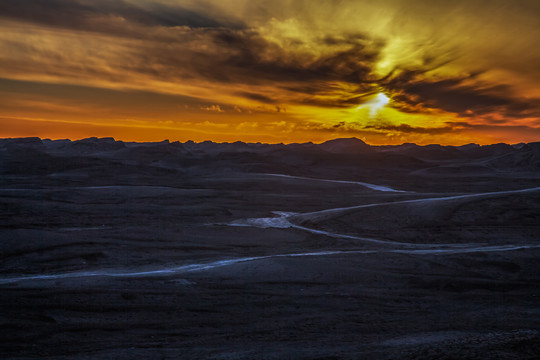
column 259, row 142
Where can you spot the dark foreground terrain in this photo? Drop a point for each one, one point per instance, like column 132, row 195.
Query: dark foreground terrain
column 113, row 250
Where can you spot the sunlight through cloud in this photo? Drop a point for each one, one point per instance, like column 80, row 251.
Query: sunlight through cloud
column 375, row 104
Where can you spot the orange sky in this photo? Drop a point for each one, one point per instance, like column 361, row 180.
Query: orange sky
column 424, row 71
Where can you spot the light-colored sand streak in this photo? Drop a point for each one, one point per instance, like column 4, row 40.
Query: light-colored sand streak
column 228, row 262
column 167, row 271
column 337, row 211
column 282, row 222
column 287, row 219
column 368, row 185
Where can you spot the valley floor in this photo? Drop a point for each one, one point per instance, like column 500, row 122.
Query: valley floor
column 246, row 265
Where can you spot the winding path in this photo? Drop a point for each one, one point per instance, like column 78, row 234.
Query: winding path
column 196, row 267
column 368, row 185
column 286, row 219
column 282, row 220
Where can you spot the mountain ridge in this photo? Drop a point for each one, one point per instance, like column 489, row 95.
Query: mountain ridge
column 342, row 157
column 337, row 142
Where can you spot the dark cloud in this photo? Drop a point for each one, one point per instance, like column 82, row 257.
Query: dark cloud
column 135, row 101
column 96, row 15
column 336, row 101
column 453, row 127
column 245, row 57
column 414, row 93
column 408, row 129
column 248, row 51
column 258, row 97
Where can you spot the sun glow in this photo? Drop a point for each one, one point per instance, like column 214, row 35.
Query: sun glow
column 375, row 105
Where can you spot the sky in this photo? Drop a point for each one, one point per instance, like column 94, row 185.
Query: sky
column 384, row 71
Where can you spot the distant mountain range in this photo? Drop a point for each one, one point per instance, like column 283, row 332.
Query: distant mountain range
column 340, row 157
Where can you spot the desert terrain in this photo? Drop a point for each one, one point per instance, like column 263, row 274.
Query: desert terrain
column 340, row 250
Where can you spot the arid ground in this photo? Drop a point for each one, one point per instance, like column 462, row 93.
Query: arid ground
column 341, row 250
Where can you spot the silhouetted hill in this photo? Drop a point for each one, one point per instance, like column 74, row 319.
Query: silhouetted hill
column 93, row 145
column 349, row 158
column 427, row 152
column 349, row 145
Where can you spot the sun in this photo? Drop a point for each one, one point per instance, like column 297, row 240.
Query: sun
column 375, row 104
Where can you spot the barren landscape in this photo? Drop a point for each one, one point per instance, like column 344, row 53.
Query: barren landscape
column 339, row 250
